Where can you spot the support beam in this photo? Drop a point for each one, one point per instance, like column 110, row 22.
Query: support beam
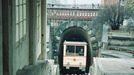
column 8, row 37
column 32, row 31
column 12, row 37
column 5, row 36
column 43, row 28
column 1, row 64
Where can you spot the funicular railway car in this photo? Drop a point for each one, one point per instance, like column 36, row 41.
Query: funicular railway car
column 74, row 54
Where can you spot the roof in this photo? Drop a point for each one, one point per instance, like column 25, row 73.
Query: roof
column 74, row 42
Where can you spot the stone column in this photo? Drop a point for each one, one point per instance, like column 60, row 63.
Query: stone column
column 5, row 36
column 12, row 37
column 8, row 37
column 1, row 70
column 32, row 31
column 43, row 28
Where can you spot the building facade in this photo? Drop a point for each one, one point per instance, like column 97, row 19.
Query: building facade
column 109, row 2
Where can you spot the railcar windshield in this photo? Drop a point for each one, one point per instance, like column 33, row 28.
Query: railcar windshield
column 74, row 50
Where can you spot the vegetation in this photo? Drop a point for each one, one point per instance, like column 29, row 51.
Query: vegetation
column 113, row 15
column 129, row 8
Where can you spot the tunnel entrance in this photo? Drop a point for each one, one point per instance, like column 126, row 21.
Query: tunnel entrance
column 77, row 34
column 74, row 34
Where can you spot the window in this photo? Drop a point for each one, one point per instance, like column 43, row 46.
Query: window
column 38, row 20
column 70, row 50
column 80, row 50
column 74, row 50
column 20, row 19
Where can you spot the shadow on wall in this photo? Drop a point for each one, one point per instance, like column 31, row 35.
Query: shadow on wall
column 37, row 69
column 40, row 68
column 43, row 67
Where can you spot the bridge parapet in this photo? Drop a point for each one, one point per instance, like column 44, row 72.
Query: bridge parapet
column 71, row 14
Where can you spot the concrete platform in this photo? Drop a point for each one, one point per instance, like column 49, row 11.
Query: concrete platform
column 112, row 66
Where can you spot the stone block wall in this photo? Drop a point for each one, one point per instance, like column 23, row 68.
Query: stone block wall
column 41, row 68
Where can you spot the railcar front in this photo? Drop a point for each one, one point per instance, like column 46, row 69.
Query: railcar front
column 74, row 57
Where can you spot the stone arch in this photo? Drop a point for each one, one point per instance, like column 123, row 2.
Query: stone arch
column 75, row 33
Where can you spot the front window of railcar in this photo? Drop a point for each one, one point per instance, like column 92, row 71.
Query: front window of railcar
column 70, row 50
column 80, row 50
column 74, row 50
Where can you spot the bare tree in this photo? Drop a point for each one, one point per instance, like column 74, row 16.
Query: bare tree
column 113, row 15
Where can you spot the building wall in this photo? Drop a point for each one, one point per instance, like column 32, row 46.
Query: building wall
column 20, row 51
column 20, row 25
column 21, row 56
column 109, row 2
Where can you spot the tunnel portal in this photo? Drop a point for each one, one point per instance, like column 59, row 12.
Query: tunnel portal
column 75, row 33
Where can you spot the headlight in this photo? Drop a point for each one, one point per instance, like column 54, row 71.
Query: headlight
column 67, row 67
column 74, row 59
column 80, row 64
column 68, row 63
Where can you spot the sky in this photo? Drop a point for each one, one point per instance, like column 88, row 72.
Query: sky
column 80, row 1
